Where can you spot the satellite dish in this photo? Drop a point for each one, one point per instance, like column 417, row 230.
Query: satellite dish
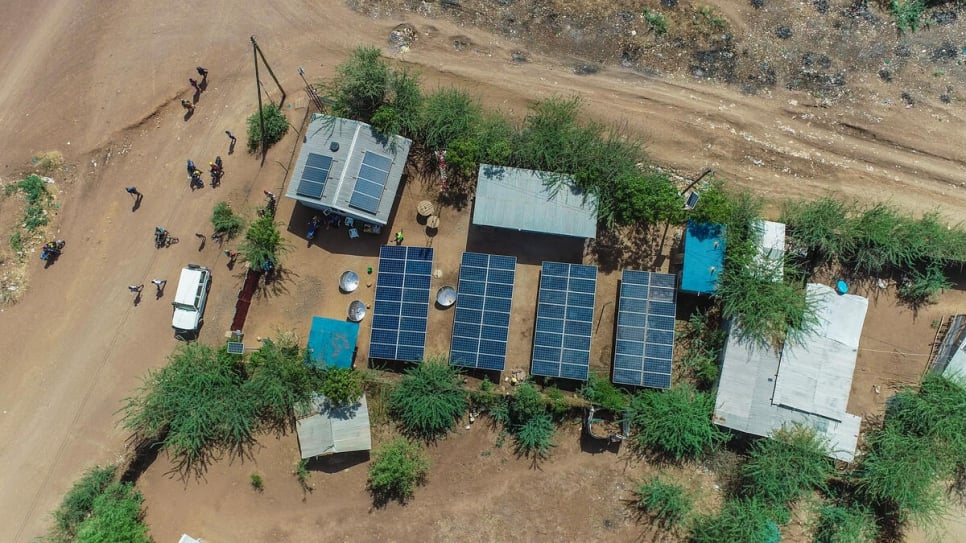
column 357, row 311
column 349, row 281
column 446, row 296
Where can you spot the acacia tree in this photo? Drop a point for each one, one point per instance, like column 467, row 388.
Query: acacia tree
column 398, row 467
column 449, row 115
column 675, row 423
column 263, row 244
column 429, row 400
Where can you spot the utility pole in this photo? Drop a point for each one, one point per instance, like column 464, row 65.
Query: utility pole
column 311, row 90
column 695, row 182
column 257, row 53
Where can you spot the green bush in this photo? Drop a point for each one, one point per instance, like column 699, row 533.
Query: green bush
column 258, row 484
column 534, row 437
column 557, row 401
column 224, row 221
column 820, row 227
column 675, row 423
column 303, row 475
column 703, row 341
column 429, row 400
column 343, row 386
column 79, row 502
column 646, row 199
column 263, row 243
column 361, row 84
column 656, row 21
column 845, row 524
column 715, row 204
column 908, row 13
column 449, row 115
column 276, row 126
column 668, row 505
column 744, row 520
column 38, row 198
column 601, row 392
column 781, row 469
column 398, row 467
column 194, row 405
column 278, row 382
column 526, row 403
column 115, row 516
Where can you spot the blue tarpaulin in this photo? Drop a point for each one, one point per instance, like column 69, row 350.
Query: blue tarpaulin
column 704, row 249
column 332, row 342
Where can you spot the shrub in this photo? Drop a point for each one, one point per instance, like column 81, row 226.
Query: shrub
column 256, row 481
column 557, row 400
column 398, row 467
column 668, row 505
column 656, row 21
column 115, row 516
column 703, row 341
column 276, row 126
column 449, row 115
column 535, row 437
column 279, row 381
column 745, row 520
column 675, row 422
column 38, row 198
column 342, row 386
column 600, row 391
column 360, row 85
column 820, row 227
column 224, row 221
column 263, row 244
column 49, row 161
column 79, row 502
column 303, row 475
column 907, row 13
column 525, row 404
column 646, row 199
column 429, row 400
column 781, row 469
column 192, row 405
column 845, row 524
column 714, row 206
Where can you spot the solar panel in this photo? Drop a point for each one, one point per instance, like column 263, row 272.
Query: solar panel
column 235, row 347
column 482, row 317
column 402, row 303
column 314, row 174
column 692, row 200
column 371, row 182
column 644, row 346
column 565, row 316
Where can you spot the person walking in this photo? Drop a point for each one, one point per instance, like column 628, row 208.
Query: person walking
column 202, row 72
column 399, row 237
column 231, row 136
column 136, row 288
column 187, row 105
column 159, row 283
column 133, row 191
column 191, row 167
column 194, row 84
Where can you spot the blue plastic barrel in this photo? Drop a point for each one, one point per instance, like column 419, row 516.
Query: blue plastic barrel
column 841, row 287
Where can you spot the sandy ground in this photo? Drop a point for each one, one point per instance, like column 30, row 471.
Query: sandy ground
column 101, row 81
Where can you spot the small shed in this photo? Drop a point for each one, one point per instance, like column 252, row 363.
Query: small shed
column 325, row 429
column 347, row 167
column 533, row 201
column 332, row 342
column 704, row 250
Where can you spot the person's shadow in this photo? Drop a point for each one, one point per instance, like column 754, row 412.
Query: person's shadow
column 137, row 203
column 231, row 147
column 160, row 291
column 137, row 298
column 188, row 114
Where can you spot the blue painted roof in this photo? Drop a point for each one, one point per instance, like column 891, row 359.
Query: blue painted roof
column 704, row 249
column 332, row 342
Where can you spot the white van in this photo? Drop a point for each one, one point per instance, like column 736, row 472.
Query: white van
column 189, row 300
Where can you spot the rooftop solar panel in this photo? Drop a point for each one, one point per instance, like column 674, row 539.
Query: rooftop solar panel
column 644, row 346
column 314, row 174
column 370, row 183
column 565, row 315
column 482, row 317
column 402, row 303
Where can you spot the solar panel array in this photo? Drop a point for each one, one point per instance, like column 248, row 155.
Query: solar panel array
column 482, row 319
column 565, row 316
column 402, row 303
column 314, row 174
column 371, row 182
column 645, row 329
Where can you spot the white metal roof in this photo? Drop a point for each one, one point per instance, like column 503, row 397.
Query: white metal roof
column 330, row 430
column 761, row 390
column 771, row 246
column 188, row 286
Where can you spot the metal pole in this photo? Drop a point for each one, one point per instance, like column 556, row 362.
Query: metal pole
column 695, row 182
column 258, row 88
column 258, row 50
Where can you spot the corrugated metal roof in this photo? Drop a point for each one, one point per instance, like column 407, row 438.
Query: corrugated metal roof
column 330, row 430
column 354, row 139
column 761, row 390
column 332, row 342
column 704, row 250
column 771, row 247
column 534, row 202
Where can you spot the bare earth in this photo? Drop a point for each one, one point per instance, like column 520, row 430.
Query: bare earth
column 101, row 82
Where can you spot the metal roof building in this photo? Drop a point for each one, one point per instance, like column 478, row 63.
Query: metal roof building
column 808, row 383
column 332, row 342
column 704, row 250
column 771, row 247
column 347, row 167
column 325, row 429
column 533, row 201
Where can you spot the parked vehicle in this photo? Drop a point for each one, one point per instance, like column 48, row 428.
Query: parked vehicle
column 189, row 300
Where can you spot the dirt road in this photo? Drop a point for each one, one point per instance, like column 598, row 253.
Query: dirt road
column 101, row 82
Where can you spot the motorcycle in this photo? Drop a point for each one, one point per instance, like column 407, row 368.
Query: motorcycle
column 162, row 238
column 52, row 250
column 272, row 203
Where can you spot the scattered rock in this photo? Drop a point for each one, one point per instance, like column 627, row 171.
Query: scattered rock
column 946, row 51
column 907, row 98
column 403, row 35
column 859, row 9
column 783, row 32
column 945, row 98
column 669, row 3
column 757, row 4
column 460, row 43
column 519, row 56
column 586, row 69
column 824, row 62
column 821, row 6
column 885, row 75
column 943, row 18
column 903, row 50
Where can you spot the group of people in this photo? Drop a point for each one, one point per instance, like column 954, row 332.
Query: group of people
column 189, row 105
column 216, row 169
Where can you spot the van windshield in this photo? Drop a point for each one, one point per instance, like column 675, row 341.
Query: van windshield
column 185, row 307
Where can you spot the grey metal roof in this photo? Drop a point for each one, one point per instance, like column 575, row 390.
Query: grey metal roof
column 325, row 429
column 761, row 390
column 533, row 201
column 354, row 139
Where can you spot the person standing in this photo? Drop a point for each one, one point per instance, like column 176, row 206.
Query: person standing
column 187, row 105
column 159, row 283
column 191, row 167
column 231, row 136
column 399, row 237
column 194, row 84
column 133, row 191
column 136, row 288
column 202, row 72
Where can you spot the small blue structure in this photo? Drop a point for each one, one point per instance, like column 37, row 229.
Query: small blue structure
column 704, row 250
column 332, row 343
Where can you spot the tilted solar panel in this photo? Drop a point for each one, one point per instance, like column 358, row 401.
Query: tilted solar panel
column 644, row 345
column 564, row 326
column 482, row 317
column 401, row 308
